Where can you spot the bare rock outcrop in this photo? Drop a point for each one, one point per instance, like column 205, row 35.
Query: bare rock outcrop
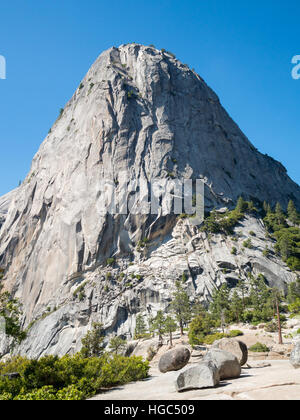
column 139, row 114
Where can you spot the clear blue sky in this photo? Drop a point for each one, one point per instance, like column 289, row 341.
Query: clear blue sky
column 243, row 49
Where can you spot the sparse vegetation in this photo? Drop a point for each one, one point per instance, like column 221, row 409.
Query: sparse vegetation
column 287, row 237
column 234, row 250
column 259, row 348
column 11, row 312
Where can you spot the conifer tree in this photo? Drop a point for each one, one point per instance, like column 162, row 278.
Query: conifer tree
column 180, row 306
column 279, row 214
column 292, row 213
column 92, row 343
column 117, row 345
column 140, row 327
column 170, row 327
column 158, row 324
column 242, row 205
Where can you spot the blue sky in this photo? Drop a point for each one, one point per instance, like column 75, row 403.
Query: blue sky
column 243, row 49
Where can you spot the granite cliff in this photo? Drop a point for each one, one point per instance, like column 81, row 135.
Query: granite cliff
column 139, row 114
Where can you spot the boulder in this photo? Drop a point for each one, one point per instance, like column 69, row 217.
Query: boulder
column 295, row 356
column 202, row 375
column 236, row 347
column 175, row 359
column 227, row 364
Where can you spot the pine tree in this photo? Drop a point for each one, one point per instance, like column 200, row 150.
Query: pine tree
column 140, row 327
column 170, row 327
column 279, row 214
column 10, row 315
column 266, row 207
column 92, row 343
column 220, row 302
column 181, row 306
column 236, row 307
column 198, row 309
column 242, row 289
column 158, row 324
column 242, row 205
column 117, row 345
column 292, row 213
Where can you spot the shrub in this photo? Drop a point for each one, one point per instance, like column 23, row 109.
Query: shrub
column 235, row 333
column 271, row 327
column 199, row 328
column 248, row 244
column 234, row 250
column 110, row 261
column 294, row 307
column 69, row 377
column 259, row 348
column 210, row 339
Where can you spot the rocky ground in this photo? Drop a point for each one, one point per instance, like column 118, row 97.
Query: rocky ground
column 266, row 376
column 277, row 381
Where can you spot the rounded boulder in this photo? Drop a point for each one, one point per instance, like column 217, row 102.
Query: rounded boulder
column 174, row 359
column 236, row 347
column 227, row 364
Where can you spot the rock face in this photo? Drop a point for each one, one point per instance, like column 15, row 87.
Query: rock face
column 202, row 375
column 227, row 364
column 5, row 203
column 236, row 347
column 139, row 114
column 174, row 359
column 295, row 356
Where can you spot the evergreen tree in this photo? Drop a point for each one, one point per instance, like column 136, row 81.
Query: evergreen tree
column 277, row 298
column 117, row 345
column 170, row 327
column 92, row 343
column 140, row 327
column 158, row 324
column 180, row 306
column 236, row 307
column 242, row 289
column 292, row 213
column 267, row 208
column 280, row 216
column 220, row 304
column 10, row 312
column 260, row 299
column 242, row 205
column 201, row 326
column 198, row 309
column 293, row 291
